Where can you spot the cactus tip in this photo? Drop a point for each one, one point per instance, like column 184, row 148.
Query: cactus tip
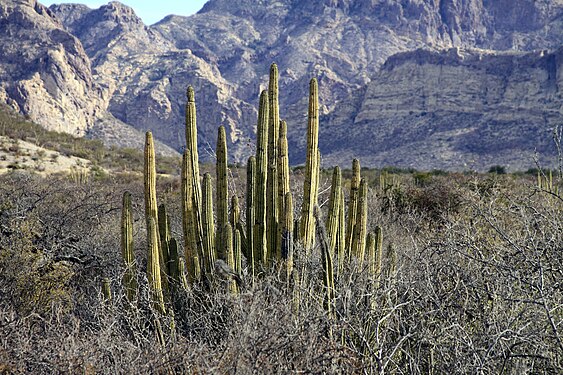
column 190, row 94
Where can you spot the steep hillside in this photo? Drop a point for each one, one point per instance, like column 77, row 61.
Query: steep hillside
column 44, row 71
column 457, row 109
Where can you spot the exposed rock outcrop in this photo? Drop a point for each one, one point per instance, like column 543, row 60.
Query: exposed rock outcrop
column 44, row 71
column 455, row 109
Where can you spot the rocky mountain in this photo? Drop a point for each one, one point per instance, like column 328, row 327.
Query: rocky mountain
column 456, row 109
column 140, row 72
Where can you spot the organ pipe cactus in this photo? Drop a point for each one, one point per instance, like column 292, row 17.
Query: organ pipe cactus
column 333, row 210
column 352, row 206
column 360, row 228
column 164, row 234
column 209, row 253
column 222, row 192
column 287, row 235
column 250, row 213
column 272, row 205
column 151, row 208
column 191, row 221
column 283, row 177
column 229, row 256
column 307, row 230
column 261, row 180
column 341, row 241
column 153, row 266
column 272, row 220
column 130, row 275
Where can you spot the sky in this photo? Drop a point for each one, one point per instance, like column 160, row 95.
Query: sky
column 150, row 11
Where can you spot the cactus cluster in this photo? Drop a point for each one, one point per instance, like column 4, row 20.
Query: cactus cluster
column 215, row 250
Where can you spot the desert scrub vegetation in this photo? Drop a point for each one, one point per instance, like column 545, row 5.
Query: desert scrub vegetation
column 356, row 272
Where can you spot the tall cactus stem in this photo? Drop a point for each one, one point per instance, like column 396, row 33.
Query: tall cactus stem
column 333, row 210
column 260, row 242
column 191, row 221
column 287, row 235
column 222, row 192
column 230, row 257
column 151, row 208
column 250, row 213
column 307, row 231
column 271, row 215
column 341, row 242
column 153, row 266
column 352, row 206
column 209, row 253
column 360, row 228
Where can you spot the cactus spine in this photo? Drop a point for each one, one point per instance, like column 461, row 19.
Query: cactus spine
column 333, row 210
column 352, row 206
column 360, row 228
column 307, row 231
column 209, row 253
column 222, row 192
column 261, row 179
column 250, row 213
column 130, row 276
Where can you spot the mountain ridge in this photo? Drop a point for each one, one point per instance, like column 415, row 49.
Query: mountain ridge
column 224, row 51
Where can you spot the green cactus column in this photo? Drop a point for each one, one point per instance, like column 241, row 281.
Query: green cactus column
column 352, row 206
column 250, row 213
column 360, row 228
column 287, row 235
column 307, row 230
column 191, row 222
column 333, row 210
column 283, row 177
column 230, row 257
column 130, row 275
column 151, row 208
column 191, row 142
column 237, row 251
column 341, row 242
column 222, row 192
column 209, row 253
column 164, row 234
column 153, row 266
column 271, row 216
column 260, row 242
column 375, row 255
column 272, row 181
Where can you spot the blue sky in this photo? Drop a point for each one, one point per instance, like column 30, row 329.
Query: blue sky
column 150, row 11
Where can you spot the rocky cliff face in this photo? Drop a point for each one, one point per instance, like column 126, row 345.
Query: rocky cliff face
column 225, row 50
column 456, row 109
column 44, row 71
